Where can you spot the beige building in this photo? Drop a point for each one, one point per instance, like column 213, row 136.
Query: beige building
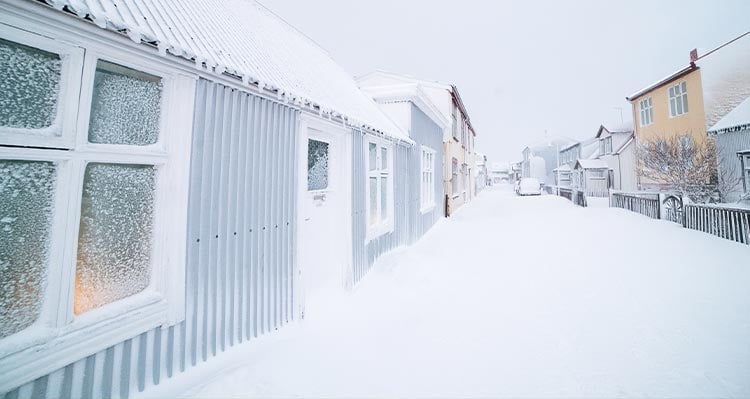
column 694, row 98
column 459, row 159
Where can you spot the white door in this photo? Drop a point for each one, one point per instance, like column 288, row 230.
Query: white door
column 324, row 249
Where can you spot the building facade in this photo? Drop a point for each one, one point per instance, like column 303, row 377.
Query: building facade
column 458, row 136
column 164, row 200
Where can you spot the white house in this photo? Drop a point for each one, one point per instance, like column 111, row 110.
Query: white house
column 174, row 180
column 458, row 137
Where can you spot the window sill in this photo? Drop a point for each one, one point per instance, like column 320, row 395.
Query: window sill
column 378, row 230
column 86, row 335
column 427, row 208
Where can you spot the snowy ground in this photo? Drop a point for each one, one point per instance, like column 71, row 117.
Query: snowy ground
column 513, row 296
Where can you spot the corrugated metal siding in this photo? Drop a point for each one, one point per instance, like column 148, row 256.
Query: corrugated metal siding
column 409, row 222
column 365, row 253
column 240, row 251
column 727, row 146
column 427, row 133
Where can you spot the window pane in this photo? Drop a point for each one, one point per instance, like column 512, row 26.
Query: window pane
column 317, row 165
column 384, row 197
column 678, row 101
column 672, row 108
column 114, row 240
column 683, row 87
column 383, row 158
column 684, row 103
column 373, row 200
column 26, row 204
column 373, row 156
column 30, row 85
column 125, row 106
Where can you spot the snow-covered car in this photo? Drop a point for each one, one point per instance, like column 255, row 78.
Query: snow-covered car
column 529, row 186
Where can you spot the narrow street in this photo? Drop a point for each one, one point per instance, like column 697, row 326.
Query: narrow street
column 550, row 300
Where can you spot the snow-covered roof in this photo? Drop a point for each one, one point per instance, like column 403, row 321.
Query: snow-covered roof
column 563, row 168
column 625, row 144
column 591, row 164
column 672, row 76
column 408, row 92
column 738, row 119
column 243, row 39
column 725, row 77
column 590, row 148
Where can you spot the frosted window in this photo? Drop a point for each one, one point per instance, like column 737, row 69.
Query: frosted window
column 317, row 165
column 30, row 86
column 383, row 158
column 373, row 200
column 384, row 198
column 114, row 241
column 373, row 156
column 125, row 106
column 26, row 203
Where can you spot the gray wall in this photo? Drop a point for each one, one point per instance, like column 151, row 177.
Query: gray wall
column 424, row 132
column 239, row 253
column 365, row 254
column 727, row 146
column 409, row 222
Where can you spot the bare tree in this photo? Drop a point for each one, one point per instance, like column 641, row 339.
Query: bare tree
column 681, row 164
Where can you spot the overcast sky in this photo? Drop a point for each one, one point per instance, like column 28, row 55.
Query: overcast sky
column 522, row 66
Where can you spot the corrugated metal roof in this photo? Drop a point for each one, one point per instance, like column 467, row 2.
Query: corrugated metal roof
column 242, row 38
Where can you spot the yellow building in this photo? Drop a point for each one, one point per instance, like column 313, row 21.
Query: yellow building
column 688, row 102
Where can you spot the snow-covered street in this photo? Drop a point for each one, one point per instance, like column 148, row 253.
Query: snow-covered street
column 512, row 296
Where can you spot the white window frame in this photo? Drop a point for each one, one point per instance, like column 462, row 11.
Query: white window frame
column 59, row 337
column 381, row 226
column 427, row 179
column 454, row 178
column 646, row 111
column 454, row 115
column 680, row 95
column 746, row 172
column 62, row 132
column 606, row 147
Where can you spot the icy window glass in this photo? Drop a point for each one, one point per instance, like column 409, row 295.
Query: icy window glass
column 373, row 156
column 373, row 200
column 30, row 86
column 384, row 198
column 26, row 204
column 383, row 158
column 125, row 106
column 114, row 240
column 317, row 165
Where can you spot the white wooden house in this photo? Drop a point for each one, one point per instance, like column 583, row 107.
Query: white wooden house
column 593, row 177
column 175, row 177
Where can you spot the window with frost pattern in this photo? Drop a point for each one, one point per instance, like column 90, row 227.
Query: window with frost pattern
column 317, row 165
column 125, row 106
column 26, row 204
column 115, row 186
column 379, row 184
column 115, row 234
column 30, row 85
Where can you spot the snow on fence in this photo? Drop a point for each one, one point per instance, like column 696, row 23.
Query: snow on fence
column 645, row 204
column 729, row 223
column 575, row 196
